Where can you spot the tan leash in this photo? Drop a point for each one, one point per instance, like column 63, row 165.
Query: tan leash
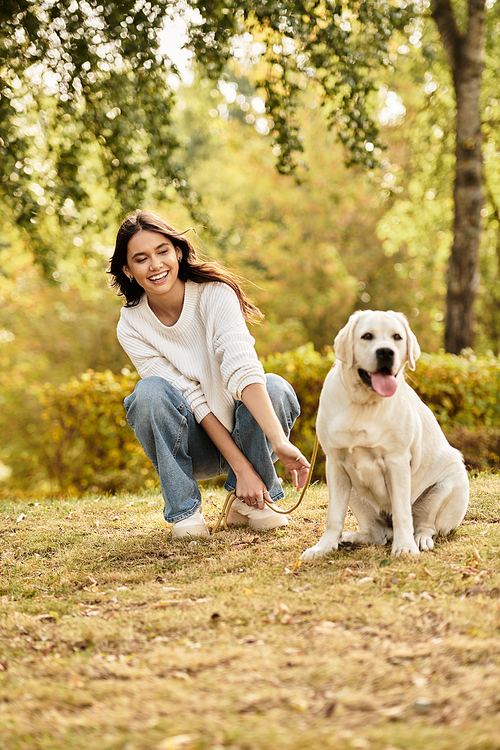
column 231, row 496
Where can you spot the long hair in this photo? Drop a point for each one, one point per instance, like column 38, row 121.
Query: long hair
column 190, row 267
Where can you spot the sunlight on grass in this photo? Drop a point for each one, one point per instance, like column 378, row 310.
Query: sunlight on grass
column 115, row 636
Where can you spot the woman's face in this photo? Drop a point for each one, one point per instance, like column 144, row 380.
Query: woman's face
column 153, row 261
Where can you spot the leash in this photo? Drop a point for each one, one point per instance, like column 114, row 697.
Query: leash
column 231, row 496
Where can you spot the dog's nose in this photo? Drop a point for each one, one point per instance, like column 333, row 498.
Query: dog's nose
column 385, row 357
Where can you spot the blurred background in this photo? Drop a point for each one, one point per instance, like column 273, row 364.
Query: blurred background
column 339, row 156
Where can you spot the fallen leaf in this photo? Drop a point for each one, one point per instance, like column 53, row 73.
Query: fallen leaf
column 299, row 704
column 427, row 572
column 48, row 617
column 325, row 626
column 177, row 742
column 346, row 572
column 21, row 517
column 408, row 596
column 366, row 579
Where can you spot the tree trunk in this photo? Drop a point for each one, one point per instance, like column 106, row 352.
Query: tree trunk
column 464, row 52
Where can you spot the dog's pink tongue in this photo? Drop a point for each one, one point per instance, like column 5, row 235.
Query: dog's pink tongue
column 384, row 385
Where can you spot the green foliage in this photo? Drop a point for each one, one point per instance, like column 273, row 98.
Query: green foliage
column 339, row 47
column 462, row 392
column 88, row 444
column 85, row 117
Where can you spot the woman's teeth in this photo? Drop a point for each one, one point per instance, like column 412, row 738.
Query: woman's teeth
column 157, row 278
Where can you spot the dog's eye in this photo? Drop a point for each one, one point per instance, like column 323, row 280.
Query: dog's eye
column 397, row 337
column 367, row 336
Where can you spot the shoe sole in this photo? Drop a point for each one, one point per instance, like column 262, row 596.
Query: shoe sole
column 237, row 519
column 199, row 530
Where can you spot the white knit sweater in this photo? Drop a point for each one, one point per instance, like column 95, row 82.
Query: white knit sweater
column 208, row 355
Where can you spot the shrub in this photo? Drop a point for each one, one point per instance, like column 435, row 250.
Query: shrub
column 89, row 445
column 463, row 393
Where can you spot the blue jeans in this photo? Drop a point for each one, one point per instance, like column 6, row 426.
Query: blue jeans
column 181, row 451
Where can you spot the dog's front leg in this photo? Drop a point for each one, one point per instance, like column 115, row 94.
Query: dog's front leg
column 399, row 476
column 339, row 492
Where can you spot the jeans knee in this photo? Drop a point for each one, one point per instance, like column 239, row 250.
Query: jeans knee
column 148, row 395
column 282, row 395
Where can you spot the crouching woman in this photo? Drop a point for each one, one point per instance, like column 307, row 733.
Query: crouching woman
column 204, row 406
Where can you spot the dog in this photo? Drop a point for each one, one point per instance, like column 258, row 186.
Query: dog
column 386, row 456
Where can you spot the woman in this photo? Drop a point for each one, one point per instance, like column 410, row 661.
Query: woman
column 204, row 406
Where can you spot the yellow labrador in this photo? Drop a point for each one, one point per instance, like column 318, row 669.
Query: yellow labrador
column 386, row 456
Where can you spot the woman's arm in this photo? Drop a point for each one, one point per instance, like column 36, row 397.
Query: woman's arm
column 249, row 485
column 256, row 399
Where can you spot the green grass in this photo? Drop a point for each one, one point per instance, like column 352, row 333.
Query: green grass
column 115, row 636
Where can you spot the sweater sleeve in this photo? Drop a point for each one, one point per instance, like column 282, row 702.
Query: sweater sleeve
column 148, row 362
column 233, row 344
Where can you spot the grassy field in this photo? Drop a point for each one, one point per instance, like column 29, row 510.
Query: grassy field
column 115, row 636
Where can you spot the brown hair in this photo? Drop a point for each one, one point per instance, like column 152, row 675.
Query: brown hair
column 190, row 267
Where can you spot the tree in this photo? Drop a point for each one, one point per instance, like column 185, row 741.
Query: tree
column 85, row 116
column 464, row 51
column 110, row 103
column 341, row 46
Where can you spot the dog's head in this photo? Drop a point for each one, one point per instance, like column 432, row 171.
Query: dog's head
column 377, row 345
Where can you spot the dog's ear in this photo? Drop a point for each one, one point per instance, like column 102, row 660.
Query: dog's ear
column 344, row 340
column 412, row 345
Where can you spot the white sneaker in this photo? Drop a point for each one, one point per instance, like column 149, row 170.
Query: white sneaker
column 192, row 526
column 260, row 520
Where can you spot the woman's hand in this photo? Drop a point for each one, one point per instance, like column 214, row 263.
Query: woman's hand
column 294, row 461
column 250, row 488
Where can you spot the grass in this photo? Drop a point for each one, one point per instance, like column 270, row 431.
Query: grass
column 115, row 636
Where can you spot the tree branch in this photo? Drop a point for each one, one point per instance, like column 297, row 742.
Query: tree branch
column 444, row 18
column 475, row 30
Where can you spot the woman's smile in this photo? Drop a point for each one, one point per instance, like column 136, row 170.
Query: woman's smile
column 153, row 261
column 158, row 278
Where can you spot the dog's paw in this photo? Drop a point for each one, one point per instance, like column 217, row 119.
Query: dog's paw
column 404, row 548
column 352, row 537
column 318, row 550
column 424, row 541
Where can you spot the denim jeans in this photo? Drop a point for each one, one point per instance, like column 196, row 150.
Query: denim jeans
column 181, row 451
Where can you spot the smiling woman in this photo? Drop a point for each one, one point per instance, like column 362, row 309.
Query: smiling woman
column 204, row 406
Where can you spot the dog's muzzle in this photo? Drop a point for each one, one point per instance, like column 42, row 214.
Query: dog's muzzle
column 382, row 381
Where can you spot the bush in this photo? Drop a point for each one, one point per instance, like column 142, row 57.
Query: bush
column 463, row 393
column 88, row 444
